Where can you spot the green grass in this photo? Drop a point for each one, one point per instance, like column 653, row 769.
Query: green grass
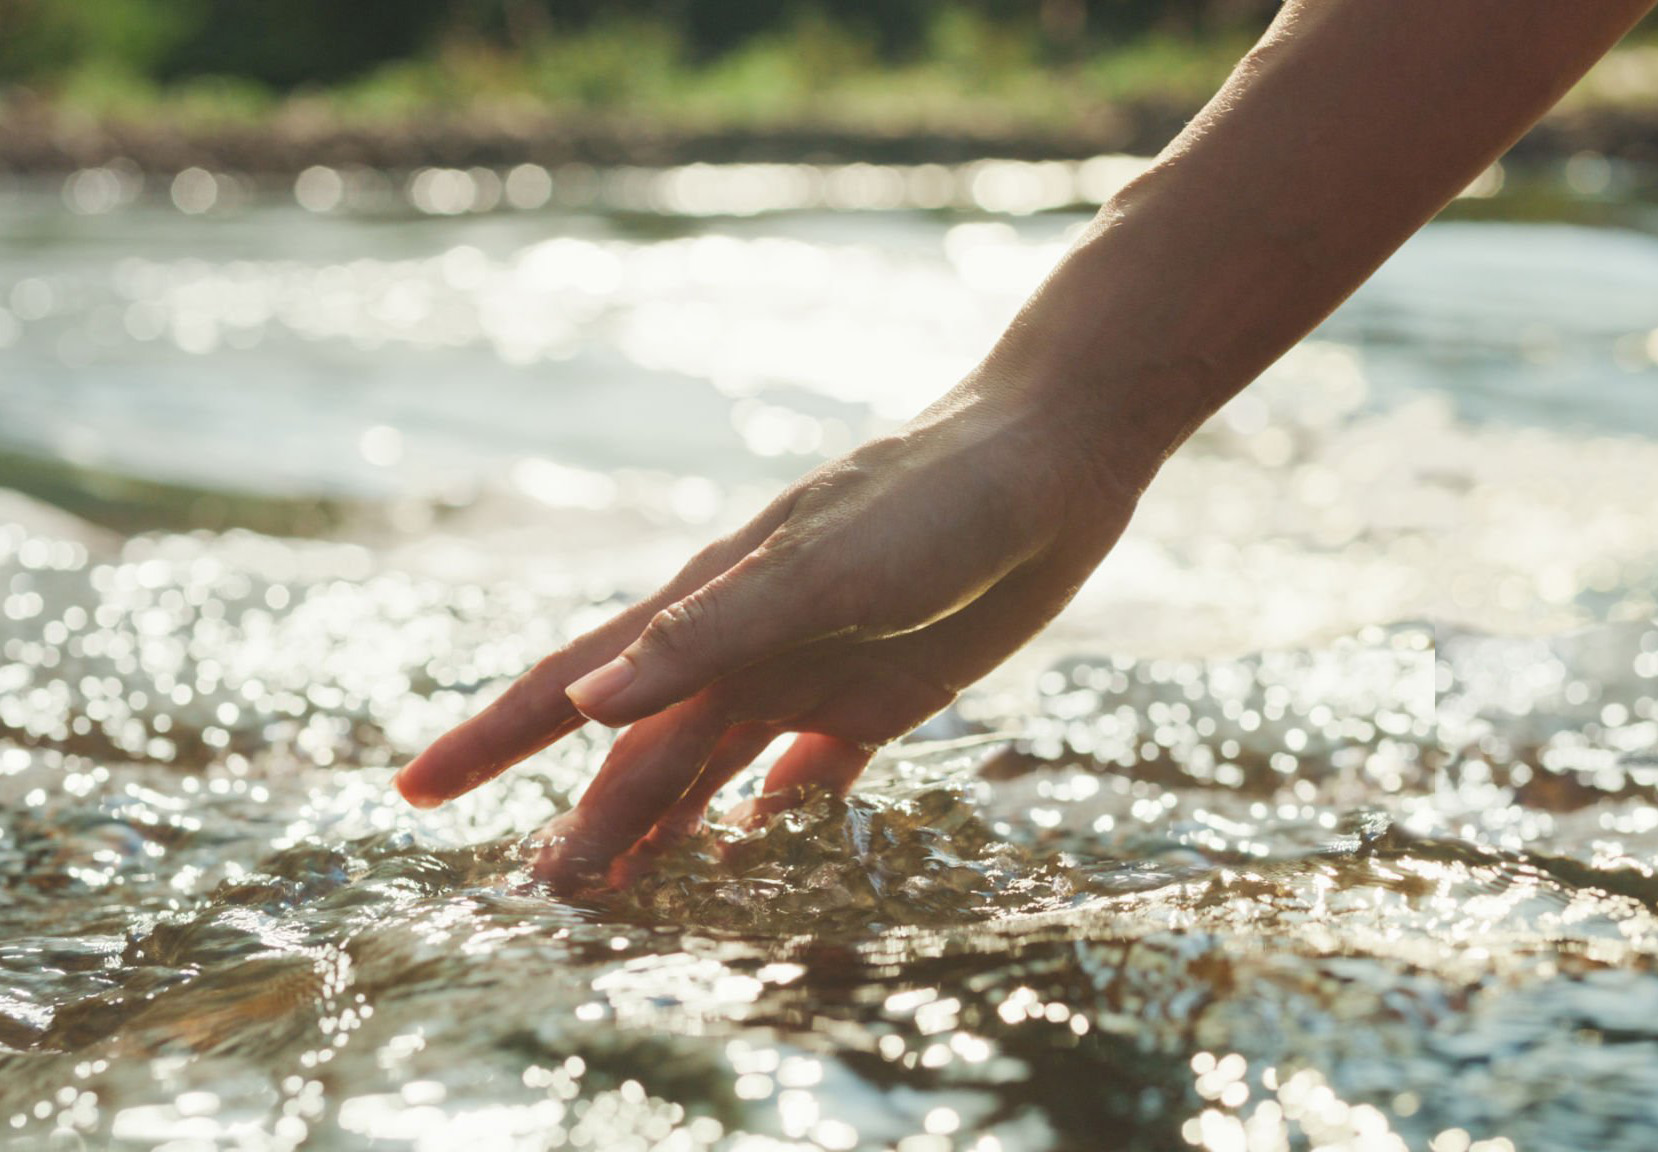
column 108, row 92
column 971, row 76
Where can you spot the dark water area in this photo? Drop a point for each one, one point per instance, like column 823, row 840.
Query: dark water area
column 1324, row 819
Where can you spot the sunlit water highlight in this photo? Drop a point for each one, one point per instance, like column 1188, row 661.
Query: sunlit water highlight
column 1324, row 819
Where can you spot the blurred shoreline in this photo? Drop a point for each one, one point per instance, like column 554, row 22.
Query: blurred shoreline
column 37, row 139
column 447, row 123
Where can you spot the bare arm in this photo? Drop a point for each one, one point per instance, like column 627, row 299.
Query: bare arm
column 877, row 587
column 1339, row 135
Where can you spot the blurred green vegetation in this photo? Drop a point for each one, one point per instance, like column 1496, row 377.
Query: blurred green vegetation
column 702, row 62
column 883, row 64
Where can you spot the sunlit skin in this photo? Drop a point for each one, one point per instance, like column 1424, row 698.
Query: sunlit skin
column 868, row 594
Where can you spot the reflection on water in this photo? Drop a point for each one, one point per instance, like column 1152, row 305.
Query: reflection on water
column 1244, row 855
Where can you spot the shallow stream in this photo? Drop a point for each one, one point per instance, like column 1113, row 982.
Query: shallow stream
column 1325, row 818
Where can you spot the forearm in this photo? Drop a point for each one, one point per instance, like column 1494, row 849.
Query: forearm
column 1341, row 134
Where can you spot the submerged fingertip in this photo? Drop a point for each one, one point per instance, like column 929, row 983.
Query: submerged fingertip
column 562, row 869
column 566, row 859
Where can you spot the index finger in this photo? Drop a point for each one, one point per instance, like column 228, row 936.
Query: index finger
column 531, row 714
column 534, row 711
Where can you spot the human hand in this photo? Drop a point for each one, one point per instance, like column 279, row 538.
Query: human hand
column 868, row 594
column 851, row 609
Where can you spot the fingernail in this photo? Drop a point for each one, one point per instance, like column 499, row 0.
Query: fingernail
column 593, row 689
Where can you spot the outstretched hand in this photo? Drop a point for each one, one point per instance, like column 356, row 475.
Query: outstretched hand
column 869, row 593
column 856, row 605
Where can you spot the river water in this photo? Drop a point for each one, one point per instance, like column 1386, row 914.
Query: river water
column 1324, row 818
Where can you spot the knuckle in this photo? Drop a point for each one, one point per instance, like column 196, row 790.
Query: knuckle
column 787, row 551
column 683, row 628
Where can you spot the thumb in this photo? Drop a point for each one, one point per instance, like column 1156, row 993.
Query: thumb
column 760, row 607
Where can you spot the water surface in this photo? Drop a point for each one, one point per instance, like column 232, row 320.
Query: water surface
column 1324, row 818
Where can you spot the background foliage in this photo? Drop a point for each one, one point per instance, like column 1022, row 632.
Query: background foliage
column 282, row 44
column 885, row 66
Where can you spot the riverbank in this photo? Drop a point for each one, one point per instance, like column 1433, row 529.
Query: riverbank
column 38, row 139
column 446, row 114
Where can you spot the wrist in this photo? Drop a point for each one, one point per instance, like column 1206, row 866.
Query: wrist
column 1181, row 291
column 1117, row 349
